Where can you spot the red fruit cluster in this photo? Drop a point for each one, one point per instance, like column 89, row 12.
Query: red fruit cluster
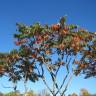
column 34, row 55
column 17, row 43
column 55, row 27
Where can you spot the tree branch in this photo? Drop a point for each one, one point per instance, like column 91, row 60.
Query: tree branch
column 67, row 85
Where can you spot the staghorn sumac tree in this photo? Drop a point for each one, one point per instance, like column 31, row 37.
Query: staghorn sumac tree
column 53, row 48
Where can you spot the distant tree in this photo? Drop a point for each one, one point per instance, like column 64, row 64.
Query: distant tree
column 52, row 48
column 74, row 94
column 30, row 93
column 84, row 92
column 44, row 93
column 12, row 94
column 1, row 94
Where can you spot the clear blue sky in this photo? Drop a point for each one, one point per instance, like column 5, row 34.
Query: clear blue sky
column 81, row 12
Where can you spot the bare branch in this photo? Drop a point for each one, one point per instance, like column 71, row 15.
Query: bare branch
column 57, row 70
column 62, row 83
column 47, row 84
column 67, row 85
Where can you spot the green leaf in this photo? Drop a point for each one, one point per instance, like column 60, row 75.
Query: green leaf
column 20, row 36
column 72, row 26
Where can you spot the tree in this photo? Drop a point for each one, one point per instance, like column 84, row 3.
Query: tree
column 30, row 93
column 44, row 92
column 1, row 94
column 52, row 48
column 12, row 94
column 74, row 94
column 84, row 92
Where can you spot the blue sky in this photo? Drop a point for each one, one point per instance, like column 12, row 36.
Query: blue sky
column 80, row 12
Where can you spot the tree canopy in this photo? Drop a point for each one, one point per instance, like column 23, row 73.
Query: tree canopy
column 50, row 47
